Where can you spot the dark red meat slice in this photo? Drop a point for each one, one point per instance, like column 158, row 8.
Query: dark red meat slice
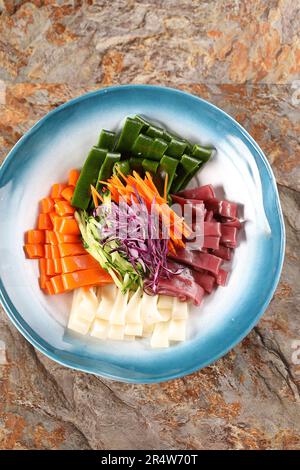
column 228, row 237
column 224, row 208
column 198, row 260
column 211, row 242
column 223, row 252
column 221, row 278
column 232, row 223
column 204, row 280
column 203, row 193
column 209, row 216
column 196, row 206
column 212, row 229
column 185, row 289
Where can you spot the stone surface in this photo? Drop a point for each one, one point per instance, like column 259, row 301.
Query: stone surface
column 241, row 56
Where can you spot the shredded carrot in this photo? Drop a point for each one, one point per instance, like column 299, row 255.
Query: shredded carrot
column 165, row 186
column 122, row 174
column 171, row 247
column 96, row 196
column 148, row 191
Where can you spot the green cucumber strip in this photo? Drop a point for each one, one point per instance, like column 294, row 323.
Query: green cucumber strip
column 168, row 136
column 123, row 166
column 136, row 164
column 107, row 166
column 168, row 165
column 88, row 176
column 129, row 133
column 176, row 148
column 189, row 147
column 106, row 140
column 150, row 165
column 142, row 146
column 155, row 132
column 202, row 153
column 157, row 149
column 186, row 166
column 190, row 176
column 143, row 121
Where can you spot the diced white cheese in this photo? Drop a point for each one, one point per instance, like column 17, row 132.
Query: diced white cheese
column 77, row 296
column 150, row 313
column 117, row 316
column 165, row 302
column 108, row 296
column 133, row 310
column 129, row 338
column 135, row 329
column 165, row 314
column 88, row 306
column 83, row 311
column 116, row 332
column 147, row 329
column 99, row 329
column 177, row 330
column 160, row 335
column 180, row 310
column 78, row 325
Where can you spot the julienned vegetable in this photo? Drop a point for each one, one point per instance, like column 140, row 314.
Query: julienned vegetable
column 124, row 275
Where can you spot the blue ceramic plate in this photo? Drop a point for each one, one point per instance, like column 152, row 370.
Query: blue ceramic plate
column 239, row 171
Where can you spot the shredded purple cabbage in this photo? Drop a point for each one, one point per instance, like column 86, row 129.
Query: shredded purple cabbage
column 139, row 237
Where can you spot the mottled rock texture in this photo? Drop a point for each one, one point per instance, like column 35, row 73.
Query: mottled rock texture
column 242, row 56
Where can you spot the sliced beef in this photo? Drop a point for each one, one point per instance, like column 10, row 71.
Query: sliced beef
column 203, row 193
column 198, row 260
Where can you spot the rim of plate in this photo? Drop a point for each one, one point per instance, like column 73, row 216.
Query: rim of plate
column 41, row 345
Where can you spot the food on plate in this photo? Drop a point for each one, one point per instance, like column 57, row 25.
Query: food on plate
column 107, row 313
column 135, row 246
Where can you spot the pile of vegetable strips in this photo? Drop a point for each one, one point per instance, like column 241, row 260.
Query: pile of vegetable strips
column 112, row 222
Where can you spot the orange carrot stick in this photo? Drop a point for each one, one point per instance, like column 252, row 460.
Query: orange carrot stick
column 50, row 237
column 42, row 265
column 70, row 249
column 46, row 205
column 49, row 288
column 35, row 236
column 67, row 193
column 93, row 276
column 51, row 251
column 50, row 269
column 57, row 189
column 57, row 284
column 34, row 251
column 57, row 265
column 44, row 222
column 42, row 280
column 78, row 262
column 67, row 226
column 73, row 177
column 63, row 208
column 67, row 238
